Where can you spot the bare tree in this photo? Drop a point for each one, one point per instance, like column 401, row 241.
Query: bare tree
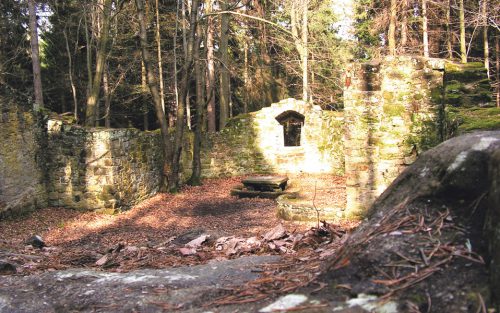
column 35, row 56
column 299, row 25
column 224, row 70
column 463, row 48
column 425, row 33
column 484, row 17
column 391, row 34
column 158, row 49
column 93, row 97
column 173, row 184
column 210, row 79
column 153, row 89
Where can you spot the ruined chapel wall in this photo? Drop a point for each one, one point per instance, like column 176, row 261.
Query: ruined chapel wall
column 22, row 185
column 254, row 143
column 393, row 111
column 101, row 168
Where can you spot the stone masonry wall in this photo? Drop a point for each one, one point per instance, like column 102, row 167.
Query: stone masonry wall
column 21, row 165
column 254, row 143
column 101, row 168
column 393, row 111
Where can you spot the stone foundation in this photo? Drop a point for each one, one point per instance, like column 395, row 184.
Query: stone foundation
column 22, row 186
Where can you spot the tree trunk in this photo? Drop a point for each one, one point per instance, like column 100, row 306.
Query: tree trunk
column 153, row 89
column 245, row 77
column 195, row 179
column 449, row 33
column 160, row 66
column 210, row 80
column 88, row 54
column 70, row 75
column 486, row 47
column 298, row 23
column 93, row 98
column 174, row 183
column 497, row 48
column 267, row 86
column 305, row 54
column 224, row 70
column 35, row 56
column 144, row 90
column 404, row 26
column 463, row 48
column 107, row 98
column 391, row 34
column 425, row 32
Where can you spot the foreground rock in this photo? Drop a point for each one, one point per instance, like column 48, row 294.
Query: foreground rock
column 138, row 291
column 432, row 239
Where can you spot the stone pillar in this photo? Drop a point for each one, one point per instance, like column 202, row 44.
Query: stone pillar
column 392, row 113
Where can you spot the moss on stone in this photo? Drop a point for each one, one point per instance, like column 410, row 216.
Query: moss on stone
column 391, row 109
column 469, row 119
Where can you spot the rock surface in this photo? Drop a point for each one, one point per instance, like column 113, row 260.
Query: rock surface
column 430, row 231
column 149, row 290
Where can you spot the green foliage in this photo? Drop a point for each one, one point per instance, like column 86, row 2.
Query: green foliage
column 15, row 62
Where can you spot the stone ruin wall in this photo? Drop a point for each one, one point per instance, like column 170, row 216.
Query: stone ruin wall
column 22, row 186
column 254, row 143
column 101, row 168
column 393, row 111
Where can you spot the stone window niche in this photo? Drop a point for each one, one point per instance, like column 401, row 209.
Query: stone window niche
column 292, row 123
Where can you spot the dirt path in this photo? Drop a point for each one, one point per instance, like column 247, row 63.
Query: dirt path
column 79, row 239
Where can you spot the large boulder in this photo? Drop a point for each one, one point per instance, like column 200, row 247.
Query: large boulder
column 428, row 234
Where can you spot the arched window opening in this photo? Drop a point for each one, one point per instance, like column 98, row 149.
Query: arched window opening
column 292, row 123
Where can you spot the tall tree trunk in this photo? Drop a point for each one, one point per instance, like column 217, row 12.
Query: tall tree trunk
column 404, row 26
column 153, row 89
column 88, row 53
column 298, row 23
column 158, row 48
column 449, row 34
column 70, row 75
column 195, row 179
column 224, row 70
column 185, row 12
column 107, row 97
column 144, row 90
column 176, row 81
column 245, row 77
column 35, row 57
column 305, row 54
column 210, row 80
column 93, row 98
column 497, row 48
column 425, row 32
column 486, row 47
column 183, row 91
column 267, row 86
column 391, row 34
column 463, row 48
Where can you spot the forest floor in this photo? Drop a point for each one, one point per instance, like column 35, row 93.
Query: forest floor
column 154, row 233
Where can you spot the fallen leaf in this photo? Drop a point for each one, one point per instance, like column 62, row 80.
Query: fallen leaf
column 187, row 251
column 102, row 260
column 277, row 232
column 195, row 243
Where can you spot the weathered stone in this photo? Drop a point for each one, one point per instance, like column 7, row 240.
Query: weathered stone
column 22, row 162
column 183, row 288
column 390, row 126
